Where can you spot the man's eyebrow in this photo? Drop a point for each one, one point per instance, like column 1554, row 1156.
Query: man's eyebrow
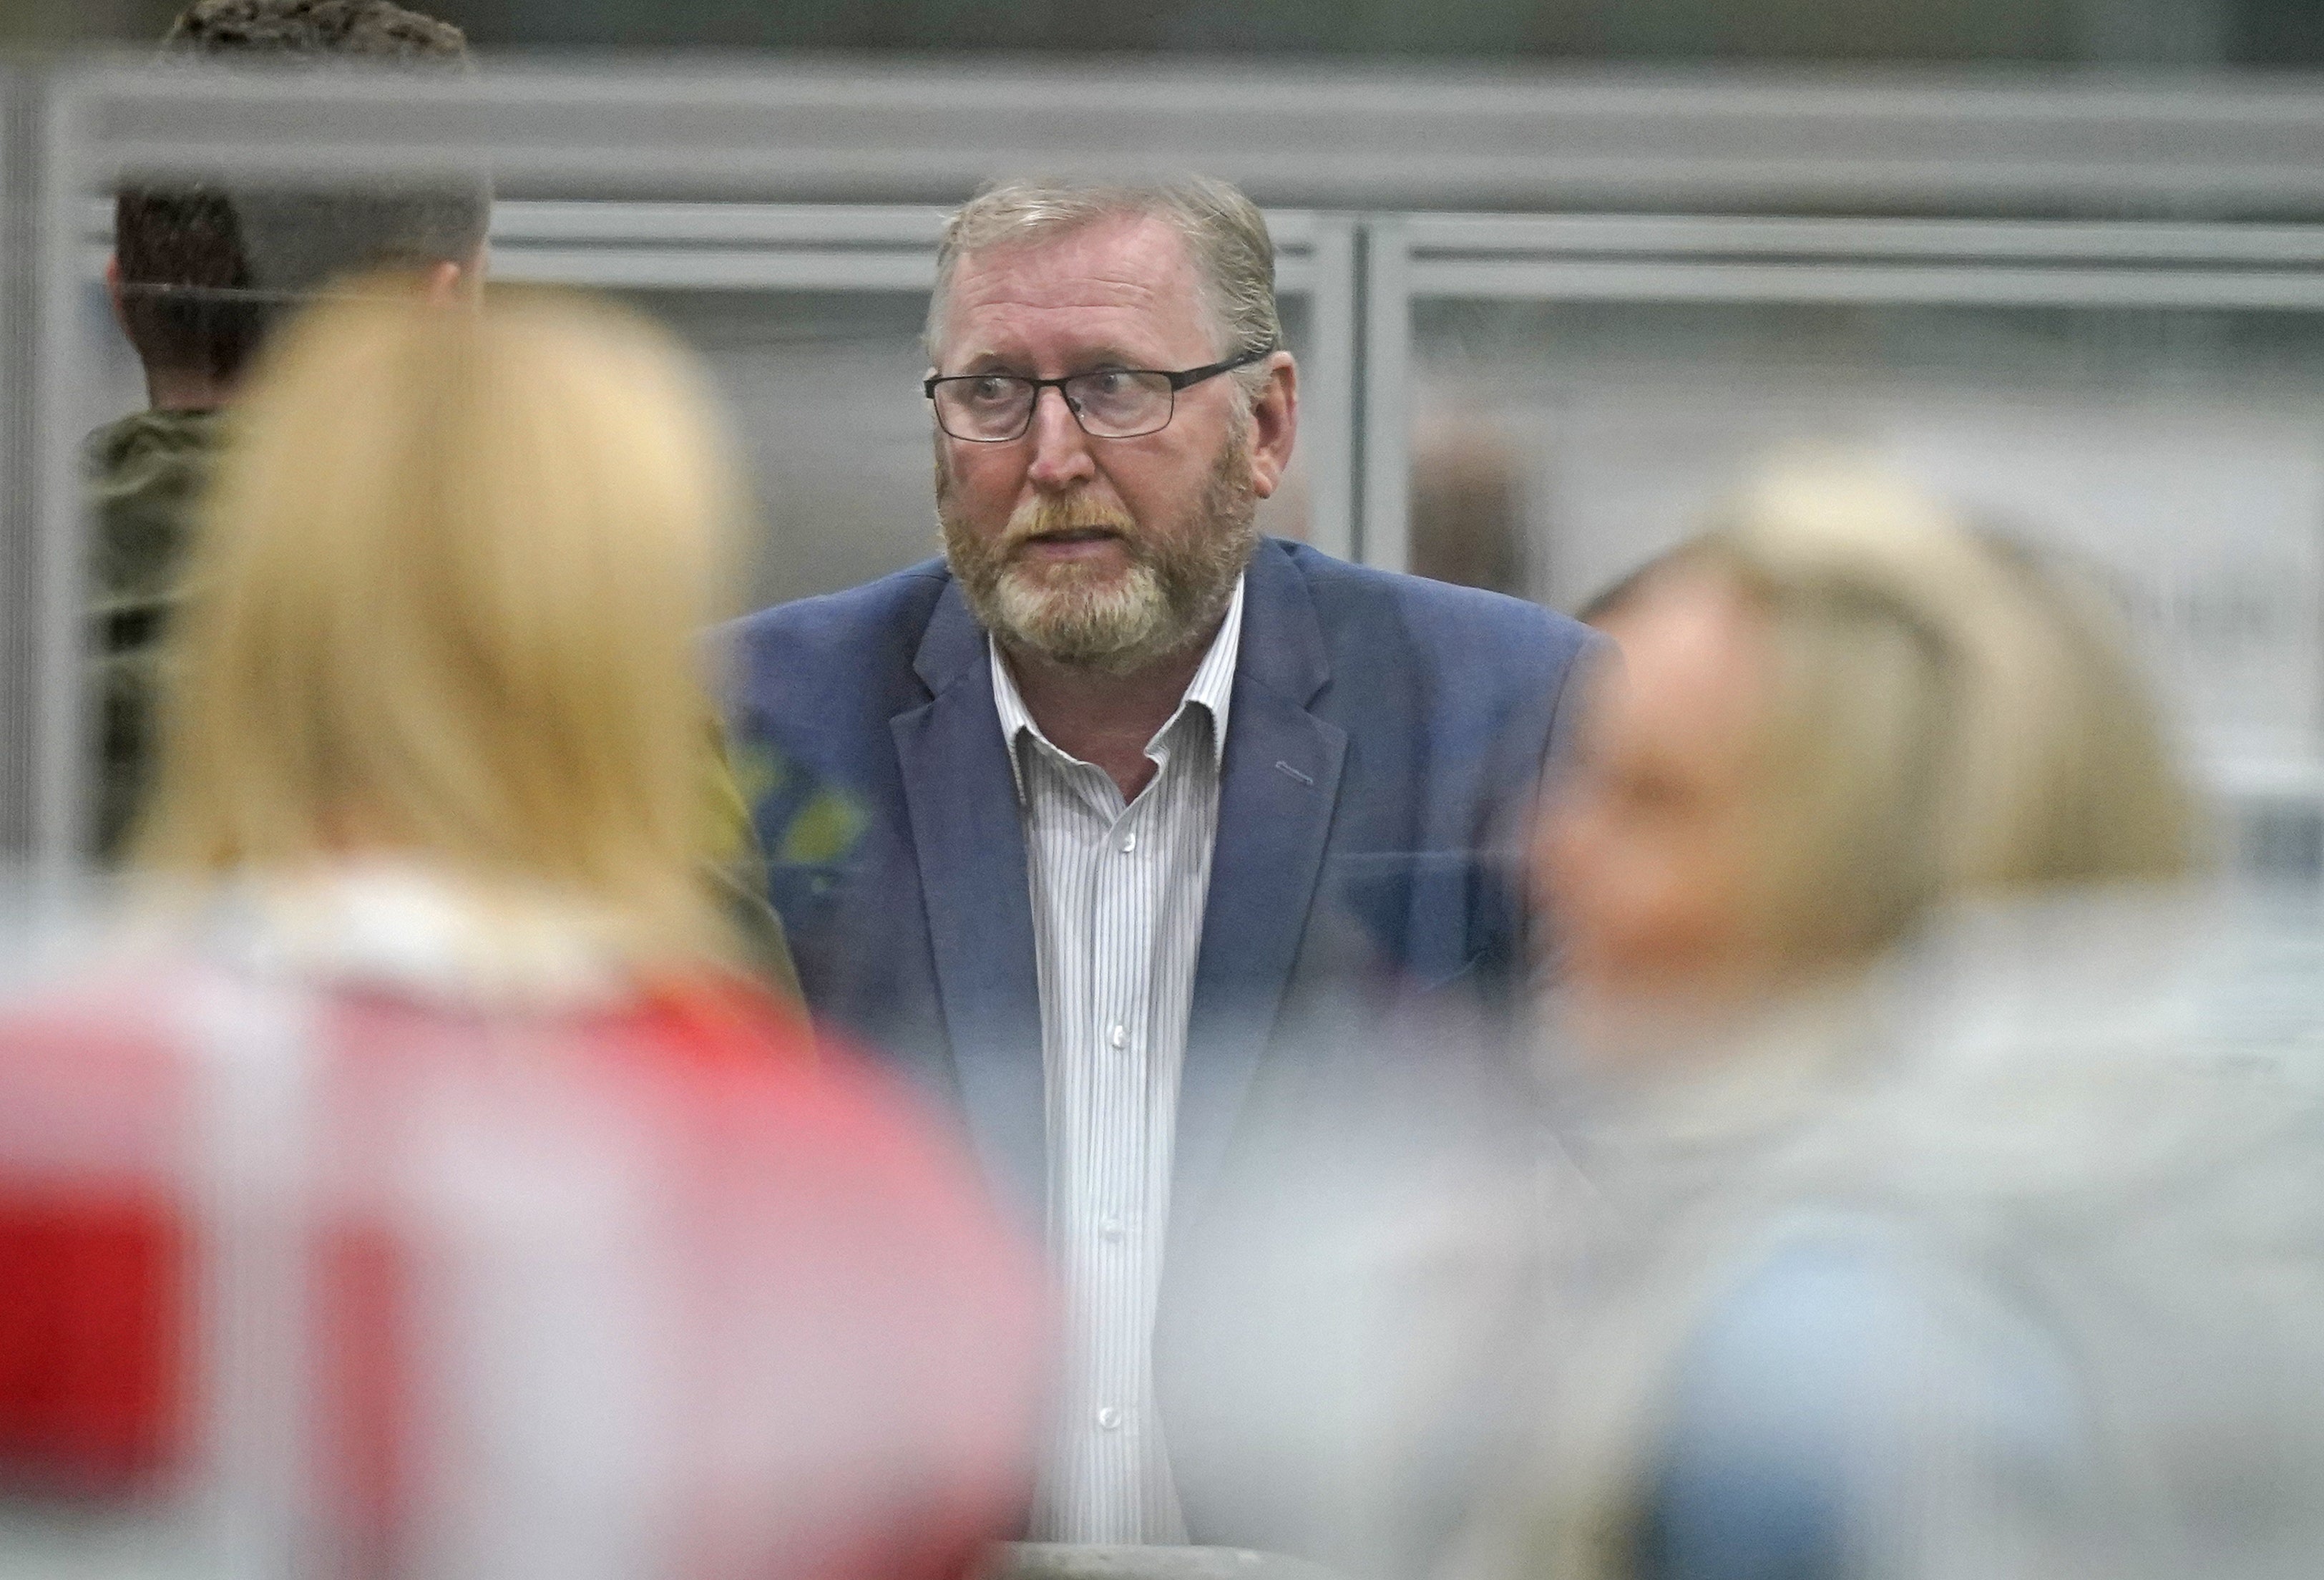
column 1113, row 357
column 1096, row 357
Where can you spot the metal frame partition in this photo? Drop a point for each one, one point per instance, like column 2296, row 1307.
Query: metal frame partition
column 624, row 244
column 1695, row 261
column 1741, row 259
column 19, row 589
column 669, row 182
column 818, row 177
column 769, row 246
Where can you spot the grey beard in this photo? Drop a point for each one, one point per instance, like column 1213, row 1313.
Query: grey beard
column 1175, row 594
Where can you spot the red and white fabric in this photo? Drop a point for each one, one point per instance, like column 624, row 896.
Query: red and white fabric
column 325, row 1253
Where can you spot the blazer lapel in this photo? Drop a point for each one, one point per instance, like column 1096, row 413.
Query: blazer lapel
column 962, row 802
column 1277, row 791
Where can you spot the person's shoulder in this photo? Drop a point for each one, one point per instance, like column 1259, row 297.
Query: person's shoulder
column 894, row 604
column 836, row 662
column 724, row 1036
column 96, row 1049
column 775, row 1087
column 1360, row 600
column 139, row 437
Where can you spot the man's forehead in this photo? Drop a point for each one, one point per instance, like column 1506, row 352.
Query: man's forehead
column 1129, row 266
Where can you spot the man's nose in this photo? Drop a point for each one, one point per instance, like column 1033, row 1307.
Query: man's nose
column 1061, row 450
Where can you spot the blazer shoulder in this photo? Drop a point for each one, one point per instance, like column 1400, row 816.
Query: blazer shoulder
column 1353, row 601
column 822, row 675
column 893, row 609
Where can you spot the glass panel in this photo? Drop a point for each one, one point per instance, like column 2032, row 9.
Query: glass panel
column 824, row 396
column 824, row 391
column 1556, row 445
column 1286, row 515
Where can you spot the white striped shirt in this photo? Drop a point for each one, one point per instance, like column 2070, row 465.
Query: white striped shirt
column 1117, row 892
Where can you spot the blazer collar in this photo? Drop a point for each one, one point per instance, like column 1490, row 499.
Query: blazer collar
column 960, row 803
column 952, row 648
column 1283, row 641
column 1277, row 796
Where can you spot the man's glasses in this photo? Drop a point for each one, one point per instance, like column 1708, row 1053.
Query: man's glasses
column 1112, row 402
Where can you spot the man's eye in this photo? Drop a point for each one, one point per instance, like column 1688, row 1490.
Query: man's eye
column 1108, row 382
column 992, row 390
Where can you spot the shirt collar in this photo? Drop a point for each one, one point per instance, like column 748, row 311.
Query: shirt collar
column 1211, row 688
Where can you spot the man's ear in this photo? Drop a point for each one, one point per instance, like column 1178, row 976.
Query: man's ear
column 1274, row 424
column 446, row 283
column 112, row 290
column 458, row 279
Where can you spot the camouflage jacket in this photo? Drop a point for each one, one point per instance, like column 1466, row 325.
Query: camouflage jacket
column 145, row 476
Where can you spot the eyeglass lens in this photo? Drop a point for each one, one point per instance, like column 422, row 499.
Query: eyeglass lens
column 1108, row 404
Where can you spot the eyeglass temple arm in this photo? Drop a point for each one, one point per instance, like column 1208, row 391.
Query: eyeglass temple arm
column 1194, row 375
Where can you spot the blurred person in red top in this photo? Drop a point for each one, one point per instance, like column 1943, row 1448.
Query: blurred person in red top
column 419, row 1186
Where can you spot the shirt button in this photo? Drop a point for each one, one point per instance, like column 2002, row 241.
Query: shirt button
column 1113, row 1230
column 1109, row 1417
column 1129, row 843
column 1119, row 1035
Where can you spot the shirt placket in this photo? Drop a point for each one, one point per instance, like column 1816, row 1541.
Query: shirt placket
column 1122, row 1209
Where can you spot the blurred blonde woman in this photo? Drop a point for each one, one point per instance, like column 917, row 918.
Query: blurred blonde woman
column 595, row 1264
column 351, row 541
column 1904, row 1229
column 441, row 618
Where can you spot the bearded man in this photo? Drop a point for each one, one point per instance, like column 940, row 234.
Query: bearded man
column 1071, row 821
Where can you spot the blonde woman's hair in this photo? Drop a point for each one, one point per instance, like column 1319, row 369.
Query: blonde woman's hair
column 444, row 603
column 1946, row 716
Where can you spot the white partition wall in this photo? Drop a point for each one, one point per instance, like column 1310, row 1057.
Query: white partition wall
column 2146, row 397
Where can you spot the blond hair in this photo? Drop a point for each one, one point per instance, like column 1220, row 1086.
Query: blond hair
column 444, row 603
column 1224, row 233
column 1946, row 716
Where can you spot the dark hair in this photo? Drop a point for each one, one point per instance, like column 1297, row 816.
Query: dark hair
column 204, row 270
column 373, row 29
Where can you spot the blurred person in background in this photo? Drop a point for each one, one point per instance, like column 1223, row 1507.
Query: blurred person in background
column 198, row 276
column 423, row 1189
column 1469, row 521
column 1910, row 1229
column 1133, row 783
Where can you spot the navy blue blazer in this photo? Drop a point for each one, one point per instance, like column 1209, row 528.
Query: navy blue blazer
column 1386, row 736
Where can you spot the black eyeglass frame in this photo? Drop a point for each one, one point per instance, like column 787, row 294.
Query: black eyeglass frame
column 1178, row 381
